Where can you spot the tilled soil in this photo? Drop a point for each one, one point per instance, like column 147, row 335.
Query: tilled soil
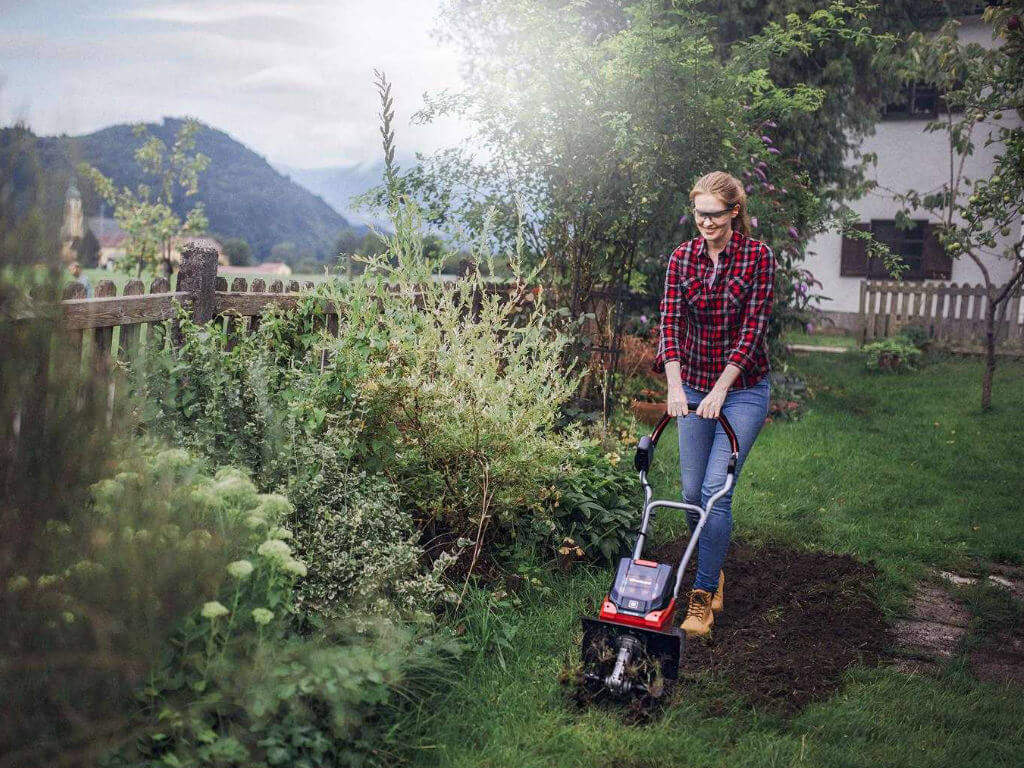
column 794, row 622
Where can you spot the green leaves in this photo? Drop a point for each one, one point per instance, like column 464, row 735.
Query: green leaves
column 597, row 502
column 151, row 222
column 895, row 354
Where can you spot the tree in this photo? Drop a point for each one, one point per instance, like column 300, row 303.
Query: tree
column 983, row 89
column 854, row 87
column 26, row 213
column 598, row 122
column 854, row 83
column 87, row 250
column 147, row 214
column 238, row 251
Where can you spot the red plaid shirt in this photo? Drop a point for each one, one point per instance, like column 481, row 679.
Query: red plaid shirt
column 706, row 328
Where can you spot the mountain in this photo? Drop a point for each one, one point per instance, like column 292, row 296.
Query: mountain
column 337, row 185
column 243, row 194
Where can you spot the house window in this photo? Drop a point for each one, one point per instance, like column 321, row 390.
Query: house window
column 918, row 101
column 918, row 246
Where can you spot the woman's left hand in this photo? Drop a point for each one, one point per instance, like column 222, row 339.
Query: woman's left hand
column 711, row 406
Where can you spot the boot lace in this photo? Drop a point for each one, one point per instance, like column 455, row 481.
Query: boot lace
column 699, row 605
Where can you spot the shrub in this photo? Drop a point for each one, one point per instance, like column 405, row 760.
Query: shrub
column 123, row 575
column 449, row 389
column 241, row 679
column 460, row 386
column 330, row 699
column 595, row 503
column 892, row 354
column 916, row 335
column 256, row 402
column 362, row 542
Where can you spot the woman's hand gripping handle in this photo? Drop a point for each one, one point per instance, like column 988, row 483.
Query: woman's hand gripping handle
column 676, row 405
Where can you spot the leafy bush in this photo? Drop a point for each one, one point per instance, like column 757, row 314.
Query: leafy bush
column 459, row 385
column 362, row 543
column 330, row 699
column 113, row 580
column 256, row 402
column 916, row 335
column 241, row 680
column 266, row 403
column 895, row 354
column 595, row 503
column 449, row 389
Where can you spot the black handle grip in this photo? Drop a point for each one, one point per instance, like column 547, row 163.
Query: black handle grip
column 645, row 448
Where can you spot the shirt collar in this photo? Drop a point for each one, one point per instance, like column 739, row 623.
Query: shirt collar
column 730, row 248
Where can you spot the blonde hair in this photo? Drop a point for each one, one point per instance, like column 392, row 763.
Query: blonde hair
column 730, row 190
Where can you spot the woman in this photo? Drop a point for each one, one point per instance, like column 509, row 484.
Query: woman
column 718, row 296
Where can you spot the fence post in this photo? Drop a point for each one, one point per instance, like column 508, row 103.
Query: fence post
column 197, row 277
column 75, row 290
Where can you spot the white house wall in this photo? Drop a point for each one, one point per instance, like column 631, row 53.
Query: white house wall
column 908, row 158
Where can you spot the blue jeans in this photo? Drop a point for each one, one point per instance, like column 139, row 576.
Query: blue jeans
column 704, row 452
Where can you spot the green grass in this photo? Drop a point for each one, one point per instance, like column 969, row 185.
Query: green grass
column 902, row 470
column 820, row 340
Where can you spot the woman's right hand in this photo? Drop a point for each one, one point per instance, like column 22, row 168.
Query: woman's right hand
column 676, row 405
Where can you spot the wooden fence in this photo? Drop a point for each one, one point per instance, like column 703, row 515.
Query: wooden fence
column 148, row 318
column 952, row 314
column 108, row 327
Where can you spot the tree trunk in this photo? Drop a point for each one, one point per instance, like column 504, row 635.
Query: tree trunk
column 990, row 353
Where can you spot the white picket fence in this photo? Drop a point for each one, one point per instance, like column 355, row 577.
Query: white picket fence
column 953, row 314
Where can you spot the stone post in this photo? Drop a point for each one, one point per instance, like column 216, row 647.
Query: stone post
column 198, row 278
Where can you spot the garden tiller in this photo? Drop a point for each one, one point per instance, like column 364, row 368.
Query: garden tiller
column 635, row 643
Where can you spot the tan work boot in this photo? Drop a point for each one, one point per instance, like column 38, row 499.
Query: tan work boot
column 699, row 616
column 718, row 601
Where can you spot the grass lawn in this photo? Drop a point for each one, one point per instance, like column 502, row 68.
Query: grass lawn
column 820, row 340
column 902, row 470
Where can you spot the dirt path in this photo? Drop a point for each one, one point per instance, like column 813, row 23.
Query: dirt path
column 940, row 625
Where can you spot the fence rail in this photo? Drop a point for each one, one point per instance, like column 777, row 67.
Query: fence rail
column 953, row 314
column 109, row 326
column 117, row 325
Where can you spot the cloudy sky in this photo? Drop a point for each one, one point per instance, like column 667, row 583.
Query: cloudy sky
column 290, row 78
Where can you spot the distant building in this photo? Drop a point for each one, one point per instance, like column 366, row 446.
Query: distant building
column 73, row 229
column 111, row 237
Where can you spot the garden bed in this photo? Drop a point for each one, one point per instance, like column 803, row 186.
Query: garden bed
column 794, row 622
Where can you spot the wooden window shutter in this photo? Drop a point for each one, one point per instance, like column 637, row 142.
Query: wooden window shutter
column 853, row 258
column 936, row 264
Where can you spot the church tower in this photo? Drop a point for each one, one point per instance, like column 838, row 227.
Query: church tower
column 73, row 229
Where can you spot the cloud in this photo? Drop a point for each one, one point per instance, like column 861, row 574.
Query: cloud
column 213, row 12
column 292, row 79
column 285, row 77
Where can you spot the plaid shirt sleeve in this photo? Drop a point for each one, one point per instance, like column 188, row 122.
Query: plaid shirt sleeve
column 756, row 312
column 671, row 313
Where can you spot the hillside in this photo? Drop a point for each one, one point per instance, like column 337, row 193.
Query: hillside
column 243, row 194
column 337, row 185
